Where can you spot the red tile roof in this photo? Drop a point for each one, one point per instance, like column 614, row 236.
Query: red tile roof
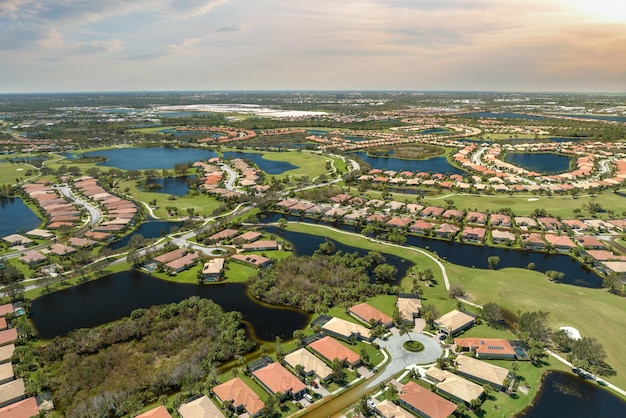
column 278, row 379
column 237, row 391
column 332, row 349
column 425, row 401
column 368, row 312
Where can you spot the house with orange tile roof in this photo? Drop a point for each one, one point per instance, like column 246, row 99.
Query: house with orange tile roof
column 276, row 379
column 560, row 242
column 488, row 348
column 253, row 260
column 473, row 233
column 222, row 235
column 242, row 397
column 590, row 243
column 399, row 222
column 7, row 308
column 170, row 256
column 533, row 240
column 331, row 349
column 447, row 231
column 432, row 212
column 26, row 408
column 425, row 403
column 158, row 412
column 367, row 313
column 453, row 214
column 182, row 263
column 421, row 226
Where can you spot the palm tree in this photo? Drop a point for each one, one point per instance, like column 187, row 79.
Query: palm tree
column 404, row 328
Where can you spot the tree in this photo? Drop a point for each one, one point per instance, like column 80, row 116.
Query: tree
column 534, row 326
column 492, row 314
column 181, row 169
column 562, row 339
column 493, row 261
column 364, row 356
column 614, row 283
column 392, row 390
column 385, row 272
column 405, row 328
column 430, row 312
column 338, row 374
column 555, row 275
column 588, row 353
column 327, row 247
column 456, row 291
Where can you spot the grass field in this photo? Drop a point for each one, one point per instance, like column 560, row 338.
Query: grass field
column 309, row 164
column 594, row 312
column 9, row 172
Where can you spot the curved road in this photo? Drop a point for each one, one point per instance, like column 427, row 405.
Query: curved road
column 94, row 214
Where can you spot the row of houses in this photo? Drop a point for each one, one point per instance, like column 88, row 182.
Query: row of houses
column 176, row 261
column 58, row 211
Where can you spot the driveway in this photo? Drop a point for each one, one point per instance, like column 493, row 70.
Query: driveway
column 400, row 358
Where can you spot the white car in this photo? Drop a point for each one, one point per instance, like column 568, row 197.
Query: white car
column 371, row 404
column 308, row 397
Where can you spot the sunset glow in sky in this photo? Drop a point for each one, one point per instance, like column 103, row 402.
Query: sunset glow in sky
column 495, row 45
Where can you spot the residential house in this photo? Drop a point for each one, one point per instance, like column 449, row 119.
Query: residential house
column 525, row 222
column 276, row 379
column 81, row 242
column 310, row 363
column 481, row 372
column 590, row 243
column 502, row 236
column 158, row 412
column 549, row 223
column 6, row 352
column 399, row 222
column 388, row 409
column 331, row 349
column 17, row 239
column 61, row 250
column 12, row 392
column 560, row 242
column 170, row 256
column 212, row 269
column 368, row 313
column 253, row 260
column 533, row 240
column 242, row 397
column 425, row 403
column 453, row 214
column 22, row 409
column 479, row 218
column 447, row 231
column 421, row 226
column 201, row 407
column 346, row 330
column 454, row 322
column 6, row 373
column 409, row 306
column 263, row 245
column 376, row 218
column 454, row 387
column 576, row 225
column 32, row 257
column 473, row 233
column 249, row 236
column 500, row 219
column 487, row 348
column 432, row 212
column 617, row 267
column 223, row 235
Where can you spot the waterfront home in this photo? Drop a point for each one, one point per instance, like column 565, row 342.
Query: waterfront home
column 335, row 213
column 249, row 236
column 454, row 322
column 355, row 216
column 32, row 257
column 12, row 392
column 447, row 231
column 331, row 349
column 260, row 246
column 376, row 218
column 22, row 409
column 7, row 308
column 617, row 267
column 182, row 263
column 301, row 207
column 346, row 330
column 40, row 233
column 170, row 256
column 604, row 255
column 311, row 365
column 409, row 305
column 388, row 409
column 421, row 226
column 276, row 379
column 212, row 269
column 253, row 260
column 560, row 242
column 318, row 209
column 286, row 203
column 533, row 240
column 473, row 233
column 425, row 403
column 481, row 372
column 240, row 395
column 454, row 387
column 399, row 222
column 200, row 407
column 487, row 348
column 368, row 313
column 576, row 224
column 17, row 239
column 502, row 236
column 590, row 243
column 81, row 242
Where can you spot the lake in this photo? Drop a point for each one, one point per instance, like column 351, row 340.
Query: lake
column 501, row 115
column 16, row 217
column 612, row 118
column 117, row 295
column 434, row 131
column 150, row 158
column 306, row 244
column 207, row 134
column 541, row 162
column 176, row 186
column 431, row 165
column 148, row 229
column 269, row 166
column 470, row 255
column 566, row 395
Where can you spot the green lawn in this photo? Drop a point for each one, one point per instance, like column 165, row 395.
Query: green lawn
column 9, row 172
column 594, row 312
column 384, row 303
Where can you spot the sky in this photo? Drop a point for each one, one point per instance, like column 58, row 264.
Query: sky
column 160, row 45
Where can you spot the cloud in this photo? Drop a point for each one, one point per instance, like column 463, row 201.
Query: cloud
column 230, row 28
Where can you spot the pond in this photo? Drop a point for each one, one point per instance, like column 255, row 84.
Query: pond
column 431, row 165
column 470, row 255
column 269, row 166
column 150, row 158
column 306, row 244
column 541, row 162
column 16, row 217
column 501, row 115
column 117, row 295
column 435, row 131
column 148, row 229
column 176, row 186
column 566, row 395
